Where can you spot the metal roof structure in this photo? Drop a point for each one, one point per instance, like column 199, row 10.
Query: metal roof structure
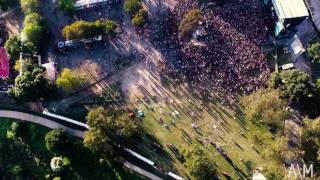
column 287, row 9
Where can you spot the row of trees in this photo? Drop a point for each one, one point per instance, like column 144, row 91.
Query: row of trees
column 85, row 29
column 136, row 10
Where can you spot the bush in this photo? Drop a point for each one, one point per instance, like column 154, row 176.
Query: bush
column 132, row 6
column 140, row 18
column 190, row 23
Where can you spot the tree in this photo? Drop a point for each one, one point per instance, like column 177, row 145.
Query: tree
column 13, row 47
column 67, row 6
column 69, row 80
column 30, row 6
column 199, row 165
column 31, row 84
column 127, row 127
column 311, row 140
column 105, row 129
column 296, row 85
column 190, row 23
column 314, row 52
column 33, row 32
column 90, row 70
column 56, row 141
column 33, row 18
column 140, row 18
column 85, row 30
column 132, row 6
column 266, row 106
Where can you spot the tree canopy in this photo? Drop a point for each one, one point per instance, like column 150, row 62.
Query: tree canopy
column 56, row 141
column 85, row 29
column 294, row 83
column 190, row 23
column 132, row 6
column 106, row 128
column 30, row 6
column 69, row 80
column 265, row 105
column 31, row 84
column 199, row 165
column 297, row 86
column 140, row 18
column 311, row 141
column 13, row 47
column 314, row 52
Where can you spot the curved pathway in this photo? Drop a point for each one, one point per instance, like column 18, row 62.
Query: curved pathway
column 41, row 121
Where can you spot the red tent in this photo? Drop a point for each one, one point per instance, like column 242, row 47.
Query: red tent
column 4, row 63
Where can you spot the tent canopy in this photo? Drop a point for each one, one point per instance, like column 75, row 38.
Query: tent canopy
column 290, row 8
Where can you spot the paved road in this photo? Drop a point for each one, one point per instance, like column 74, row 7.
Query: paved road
column 41, row 121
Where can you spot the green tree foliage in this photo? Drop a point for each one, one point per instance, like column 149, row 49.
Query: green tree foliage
column 314, row 52
column 31, row 84
column 297, row 86
column 106, row 128
column 84, row 29
column 311, row 141
column 34, row 33
column 132, row 6
column 318, row 83
column 266, row 106
column 69, row 80
column 13, row 47
column 56, row 141
column 140, row 18
column 190, row 23
column 30, row 6
column 33, row 18
column 67, row 6
column 199, row 165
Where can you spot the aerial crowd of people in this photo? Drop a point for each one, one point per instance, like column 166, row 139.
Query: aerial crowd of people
column 228, row 54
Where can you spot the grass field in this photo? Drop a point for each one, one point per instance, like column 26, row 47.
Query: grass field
column 216, row 123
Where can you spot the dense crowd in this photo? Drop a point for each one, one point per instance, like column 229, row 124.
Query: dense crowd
column 229, row 54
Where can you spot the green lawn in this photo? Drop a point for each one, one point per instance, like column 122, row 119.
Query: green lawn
column 241, row 149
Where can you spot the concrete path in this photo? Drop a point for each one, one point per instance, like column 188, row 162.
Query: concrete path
column 40, row 120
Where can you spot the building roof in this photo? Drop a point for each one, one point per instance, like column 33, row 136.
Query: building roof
column 290, row 8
